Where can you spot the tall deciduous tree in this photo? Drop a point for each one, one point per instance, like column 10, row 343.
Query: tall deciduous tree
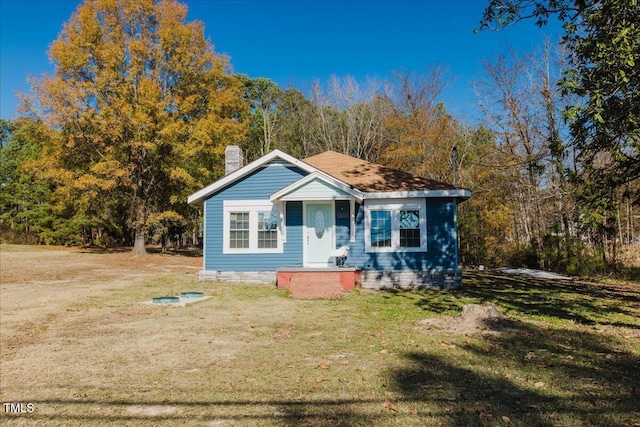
column 263, row 96
column 422, row 133
column 604, row 39
column 142, row 105
column 350, row 117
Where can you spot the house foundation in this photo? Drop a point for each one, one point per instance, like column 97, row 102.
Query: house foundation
column 260, row 277
column 436, row 278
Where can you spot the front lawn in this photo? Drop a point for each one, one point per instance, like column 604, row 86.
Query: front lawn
column 83, row 350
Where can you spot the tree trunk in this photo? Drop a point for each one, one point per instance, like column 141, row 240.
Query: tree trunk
column 138, row 245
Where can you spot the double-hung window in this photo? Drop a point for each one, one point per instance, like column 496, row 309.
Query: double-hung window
column 239, row 230
column 267, row 230
column 380, row 226
column 251, row 226
column 396, row 226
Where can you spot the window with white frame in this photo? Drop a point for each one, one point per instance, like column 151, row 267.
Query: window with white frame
column 239, row 230
column 251, row 226
column 396, row 226
column 380, row 228
column 267, row 230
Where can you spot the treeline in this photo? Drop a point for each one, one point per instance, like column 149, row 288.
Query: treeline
column 527, row 209
column 129, row 125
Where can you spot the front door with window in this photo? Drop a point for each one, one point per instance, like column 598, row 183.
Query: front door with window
column 319, row 234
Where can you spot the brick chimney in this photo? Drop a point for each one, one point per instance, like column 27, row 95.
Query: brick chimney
column 233, row 159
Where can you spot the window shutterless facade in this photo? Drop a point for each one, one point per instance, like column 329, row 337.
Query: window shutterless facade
column 251, row 226
column 396, row 226
column 239, row 230
column 267, row 230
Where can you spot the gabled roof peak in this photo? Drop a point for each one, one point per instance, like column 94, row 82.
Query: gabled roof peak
column 199, row 196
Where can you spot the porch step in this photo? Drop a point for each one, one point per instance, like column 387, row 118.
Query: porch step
column 318, row 283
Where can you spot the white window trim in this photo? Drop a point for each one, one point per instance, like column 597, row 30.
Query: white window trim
column 253, row 207
column 395, row 206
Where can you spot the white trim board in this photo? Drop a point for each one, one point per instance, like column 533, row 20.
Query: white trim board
column 199, row 196
column 324, row 178
column 457, row 193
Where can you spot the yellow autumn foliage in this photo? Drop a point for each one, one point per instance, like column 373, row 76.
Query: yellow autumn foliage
column 140, row 102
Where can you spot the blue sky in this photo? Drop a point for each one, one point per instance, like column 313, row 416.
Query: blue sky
column 295, row 42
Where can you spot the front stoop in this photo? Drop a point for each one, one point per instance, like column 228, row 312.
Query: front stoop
column 318, row 283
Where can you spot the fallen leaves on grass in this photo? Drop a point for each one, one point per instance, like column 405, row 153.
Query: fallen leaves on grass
column 388, row 406
column 507, row 420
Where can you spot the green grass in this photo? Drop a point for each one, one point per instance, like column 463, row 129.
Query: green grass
column 251, row 355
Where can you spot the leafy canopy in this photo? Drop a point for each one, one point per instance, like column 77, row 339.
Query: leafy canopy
column 603, row 71
column 142, row 105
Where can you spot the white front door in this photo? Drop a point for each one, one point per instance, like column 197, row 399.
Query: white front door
column 319, row 234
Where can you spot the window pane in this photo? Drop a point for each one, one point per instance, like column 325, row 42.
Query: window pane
column 239, row 230
column 381, row 229
column 267, row 230
column 410, row 229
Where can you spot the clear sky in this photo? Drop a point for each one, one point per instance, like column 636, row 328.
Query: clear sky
column 295, row 42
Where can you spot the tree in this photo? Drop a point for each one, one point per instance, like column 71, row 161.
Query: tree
column 422, row 133
column 263, row 96
column 603, row 71
column 142, row 107
column 25, row 212
column 295, row 135
column 350, row 117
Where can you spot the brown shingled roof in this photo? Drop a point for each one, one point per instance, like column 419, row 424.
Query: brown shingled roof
column 371, row 177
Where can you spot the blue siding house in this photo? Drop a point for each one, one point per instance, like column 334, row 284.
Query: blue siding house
column 279, row 211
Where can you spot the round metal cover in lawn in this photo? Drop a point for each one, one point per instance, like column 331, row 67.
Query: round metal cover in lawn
column 165, row 300
column 191, row 294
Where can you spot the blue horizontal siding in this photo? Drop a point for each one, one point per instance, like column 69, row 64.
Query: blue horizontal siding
column 441, row 243
column 258, row 185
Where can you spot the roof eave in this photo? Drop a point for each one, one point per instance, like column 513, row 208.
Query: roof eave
column 458, row 193
column 323, row 176
column 198, row 197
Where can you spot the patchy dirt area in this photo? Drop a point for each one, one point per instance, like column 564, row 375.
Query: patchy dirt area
column 29, row 264
column 475, row 318
column 37, row 283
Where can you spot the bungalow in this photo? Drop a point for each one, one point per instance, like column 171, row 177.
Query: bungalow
column 281, row 212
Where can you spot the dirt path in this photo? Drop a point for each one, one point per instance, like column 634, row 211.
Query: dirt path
column 28, row 275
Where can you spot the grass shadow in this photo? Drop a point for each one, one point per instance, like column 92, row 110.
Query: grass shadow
column 545, row 377
column 580, row 302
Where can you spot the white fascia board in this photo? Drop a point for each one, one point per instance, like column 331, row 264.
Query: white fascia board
column 199, row 196
column 457, row 194
column 328, row 179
